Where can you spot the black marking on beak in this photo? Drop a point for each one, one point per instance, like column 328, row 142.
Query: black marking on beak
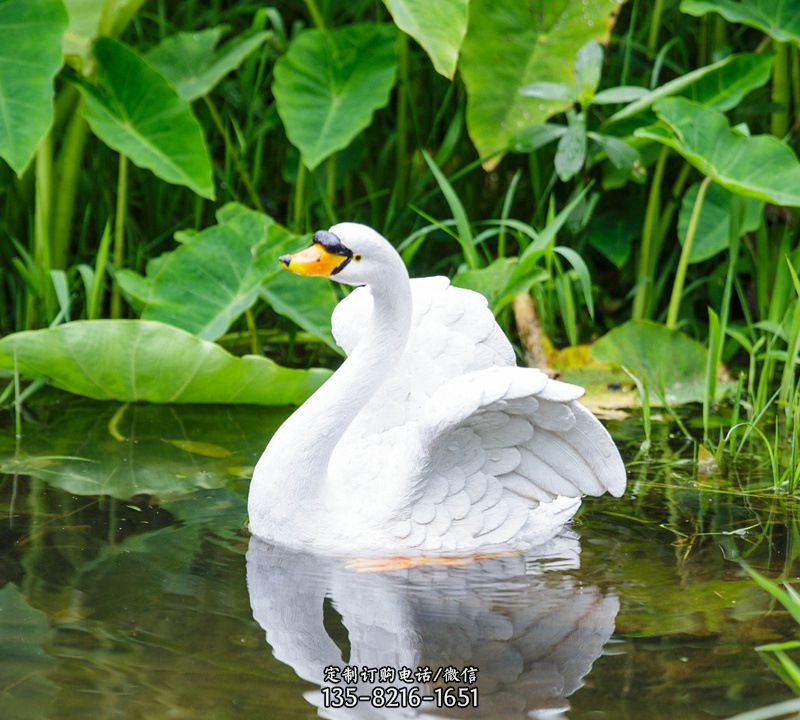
column 334, row 246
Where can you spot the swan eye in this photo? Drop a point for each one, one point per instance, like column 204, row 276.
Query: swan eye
column 357, row 257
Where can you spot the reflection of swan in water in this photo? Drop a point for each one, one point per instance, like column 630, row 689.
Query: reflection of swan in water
column 533, row 634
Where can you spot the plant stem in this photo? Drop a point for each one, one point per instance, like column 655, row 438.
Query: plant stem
column 119, row 232
column 792, row 344
column 95, row 300
column 233, row 152
column 781, row 91
column 298, row 222
column 504, row 213
column 17, row 401
column 626, row 58
column 795, row 82
column 645, row 280
column 715, row 340
column 68, row 167
column 330, row 181
column 253, row 330
column 401, row 144
column 41, row 252
column 655, row 24
column 683, row 263
column 316, row 15
column 719, row 40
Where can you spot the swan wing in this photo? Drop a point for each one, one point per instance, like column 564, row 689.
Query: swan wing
column 505, row 453
column 453, row 332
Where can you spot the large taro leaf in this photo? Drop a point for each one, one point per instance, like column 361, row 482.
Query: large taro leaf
column 778, row 18
column 213, row 277
column 510, row 45
column 659, row 357
column 328, row 85
column 30, row 56
column 713, row 226
column 721, row 85
column 308, row 302
column 134, row 360
column 192, row 62
column 438, row 26
column 27, row 693
column 90, row 448
column 138, row 113
column 724, row 88
column 761, row 167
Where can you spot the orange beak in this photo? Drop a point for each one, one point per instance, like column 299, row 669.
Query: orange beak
column 314, row 260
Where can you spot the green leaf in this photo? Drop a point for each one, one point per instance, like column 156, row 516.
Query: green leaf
column 91, row 448
column 27, row 691
column 133, row 360
column 659, row 357
column 619, row 94
column 759, row 166
column 439, row 27
column 139, row 114
column 30, row 57
column 622, row 155
column 549, row 91
column 85, row 19
column 192, row 64
column 724, row 88
column 613, row 233
column 308, row 302
column 508, row 46
column 720, row 85
column 84, row 22
column 713, row 228
column 329, row 84
column 488, row 281
column 571, row 151
column 536, row 136
column 780, row 19
column 134, row 287
column 588, row 66
column 211, row 279
column 213, row 276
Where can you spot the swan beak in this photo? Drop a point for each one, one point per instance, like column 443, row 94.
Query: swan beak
column 314, row 260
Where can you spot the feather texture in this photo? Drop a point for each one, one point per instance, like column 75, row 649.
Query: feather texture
column 504, row 453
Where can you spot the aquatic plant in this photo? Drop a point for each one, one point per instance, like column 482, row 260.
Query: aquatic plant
column 604, row 141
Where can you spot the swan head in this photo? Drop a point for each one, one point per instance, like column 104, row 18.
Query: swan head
column 349, row 253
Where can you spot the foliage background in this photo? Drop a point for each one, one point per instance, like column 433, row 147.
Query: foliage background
column 605, row 159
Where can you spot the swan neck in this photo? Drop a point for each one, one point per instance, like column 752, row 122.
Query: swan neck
column 301, row 449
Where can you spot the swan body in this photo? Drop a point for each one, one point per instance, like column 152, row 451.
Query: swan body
column 428, row 439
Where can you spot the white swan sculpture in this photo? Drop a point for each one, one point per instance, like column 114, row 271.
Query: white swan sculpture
column 428, row 440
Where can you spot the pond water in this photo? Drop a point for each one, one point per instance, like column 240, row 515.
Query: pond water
column 129, row 588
